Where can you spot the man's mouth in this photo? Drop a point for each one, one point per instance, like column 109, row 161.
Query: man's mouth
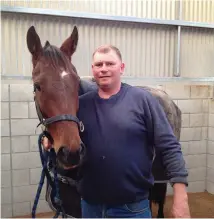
column 104, row 77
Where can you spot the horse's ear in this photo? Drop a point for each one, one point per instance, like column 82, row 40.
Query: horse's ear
column 70, row 44
column 33, row 43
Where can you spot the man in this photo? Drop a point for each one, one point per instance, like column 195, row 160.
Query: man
column 123, row 125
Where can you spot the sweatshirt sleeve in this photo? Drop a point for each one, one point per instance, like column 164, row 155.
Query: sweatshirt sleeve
column 165, row 142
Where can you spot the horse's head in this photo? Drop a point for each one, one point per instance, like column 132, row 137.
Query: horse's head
column 56, row 85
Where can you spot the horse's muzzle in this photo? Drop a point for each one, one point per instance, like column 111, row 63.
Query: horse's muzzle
column 68, row 159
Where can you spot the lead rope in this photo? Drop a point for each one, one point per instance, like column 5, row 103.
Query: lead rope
column 57, row 199
column 44, row 156
column 44, row 165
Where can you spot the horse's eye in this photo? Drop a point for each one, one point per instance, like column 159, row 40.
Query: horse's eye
column 36, row 87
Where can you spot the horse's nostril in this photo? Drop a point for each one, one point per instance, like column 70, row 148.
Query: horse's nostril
column 61, row 152
column 68, row 158
column 65, row 151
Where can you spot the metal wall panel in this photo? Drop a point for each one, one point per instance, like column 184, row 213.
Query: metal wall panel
column 192, row 10
column 198, row 10
column 140, row 8
column 197, row 52
column 147, row 50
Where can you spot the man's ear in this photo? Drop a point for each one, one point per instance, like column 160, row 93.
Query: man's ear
column 70, row 44
column 122, row 68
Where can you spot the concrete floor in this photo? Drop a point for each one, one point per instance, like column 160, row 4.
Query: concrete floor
column 201, row 206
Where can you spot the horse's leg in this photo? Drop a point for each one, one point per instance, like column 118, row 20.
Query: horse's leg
column 162, row 187
column 160, row 210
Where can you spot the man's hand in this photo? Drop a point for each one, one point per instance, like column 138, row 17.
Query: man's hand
column 180, row 207
column 46, row 143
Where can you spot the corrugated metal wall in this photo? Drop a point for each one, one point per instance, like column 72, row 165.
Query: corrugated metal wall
column 148, row 50
column 198, row 10
column 192, row 10
column 197, row 52
column 139, row 8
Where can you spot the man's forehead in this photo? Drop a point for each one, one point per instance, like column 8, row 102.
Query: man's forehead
column 111, row 55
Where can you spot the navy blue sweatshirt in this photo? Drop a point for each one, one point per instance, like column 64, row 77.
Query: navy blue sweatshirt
column 120, row 135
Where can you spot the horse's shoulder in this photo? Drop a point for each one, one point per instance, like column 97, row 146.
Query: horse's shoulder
column 172, row 111
column 164, row 99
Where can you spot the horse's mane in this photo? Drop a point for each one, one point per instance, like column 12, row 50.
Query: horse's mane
column 56, row 56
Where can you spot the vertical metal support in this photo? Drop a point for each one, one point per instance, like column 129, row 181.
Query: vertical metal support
column 212, row 98
column 177, row 71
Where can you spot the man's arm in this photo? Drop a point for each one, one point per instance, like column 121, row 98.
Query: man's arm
column 170, row 149
column 180, row 207
column 165, row 141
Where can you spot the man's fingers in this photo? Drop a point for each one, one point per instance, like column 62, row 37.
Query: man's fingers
column 46, row 143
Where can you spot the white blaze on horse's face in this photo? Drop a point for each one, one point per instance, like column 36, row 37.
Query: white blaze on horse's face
column 63, row 74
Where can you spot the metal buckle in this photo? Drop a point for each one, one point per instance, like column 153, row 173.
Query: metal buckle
column 64, row 180
column 43, row 127
column 81, row 126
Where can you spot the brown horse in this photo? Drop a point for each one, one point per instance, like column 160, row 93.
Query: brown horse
column 57, row 87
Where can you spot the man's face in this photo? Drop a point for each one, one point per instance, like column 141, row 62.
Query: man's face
column 107, row 69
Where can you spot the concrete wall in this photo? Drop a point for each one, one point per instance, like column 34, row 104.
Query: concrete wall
column 210, row 149
column 21, row 165
column 195, row 101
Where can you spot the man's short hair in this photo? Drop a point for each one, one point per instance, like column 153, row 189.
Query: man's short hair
column 108, row 48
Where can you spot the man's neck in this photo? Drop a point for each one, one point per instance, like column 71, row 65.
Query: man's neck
column 107, row 92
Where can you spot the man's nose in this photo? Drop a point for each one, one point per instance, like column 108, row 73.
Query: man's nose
column 104, row 68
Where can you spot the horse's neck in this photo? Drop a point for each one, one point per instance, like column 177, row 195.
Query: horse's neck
column 86, row 86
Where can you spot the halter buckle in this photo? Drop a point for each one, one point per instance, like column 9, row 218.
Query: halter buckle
column 81, row 126
column 64, row 180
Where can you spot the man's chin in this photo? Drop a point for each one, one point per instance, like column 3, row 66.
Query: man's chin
column 105, row 84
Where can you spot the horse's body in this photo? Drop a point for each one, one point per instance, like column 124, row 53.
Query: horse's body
column 55, row 79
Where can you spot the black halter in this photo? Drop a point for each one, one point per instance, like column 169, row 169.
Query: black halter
column 58, row 118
